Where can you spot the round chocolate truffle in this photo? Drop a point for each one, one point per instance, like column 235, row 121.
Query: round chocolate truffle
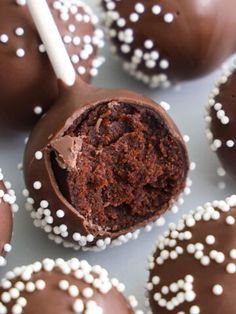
column 193, row 267
column 99, row 166
column 7, row 208
column 166, row 41
column 28, row 84
column 221, row 122
column 63, row 287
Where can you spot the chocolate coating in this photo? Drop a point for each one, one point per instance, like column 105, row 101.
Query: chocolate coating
column 221, row 119
column 193, row 269
column 112, row 161
column 7, row 207
column 48, row 288
column 168, row 41
column 28, row 85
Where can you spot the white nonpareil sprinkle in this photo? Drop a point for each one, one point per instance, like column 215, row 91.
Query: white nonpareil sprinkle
column 168, row 17
column 19, row 31
column 4, row 38
column 37, row 185
column 156, row 9
column 78, row 306
column 217, row 290
column 38, row 110
column 20, row 52
column 38, row 155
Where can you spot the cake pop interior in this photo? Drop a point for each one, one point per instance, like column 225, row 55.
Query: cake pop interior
column 118, row 165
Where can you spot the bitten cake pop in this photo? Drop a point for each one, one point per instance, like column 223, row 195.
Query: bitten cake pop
column 193, row 267
column 221, row 122
column 101, row 164
column 28, row 85
column 7, row 208
column 165, row 41
column 63, row 287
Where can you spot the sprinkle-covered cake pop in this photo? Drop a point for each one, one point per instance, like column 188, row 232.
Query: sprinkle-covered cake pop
column 165, row 41
column 221, row 122
column 59, row 286
column 28, row 84
column 101, row 164
column 7, row 208
column 193, row 266
column 100, row 172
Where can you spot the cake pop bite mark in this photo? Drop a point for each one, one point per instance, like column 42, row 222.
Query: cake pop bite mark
column 20, row 48
column 163, row 42
column 69, row 165
column 201, row 245
column 72, row 286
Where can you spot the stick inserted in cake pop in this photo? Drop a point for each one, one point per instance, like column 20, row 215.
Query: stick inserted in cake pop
column 111, row 162
column 51, row 38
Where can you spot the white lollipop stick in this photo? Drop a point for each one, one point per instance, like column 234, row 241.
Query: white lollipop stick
column 53, row 43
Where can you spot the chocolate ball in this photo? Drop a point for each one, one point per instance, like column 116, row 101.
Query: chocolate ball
column 221, row 122
column 63, row 287
column 7, row 208
column 110, row 163
column 166, row 41
column 193, row 267
column 28, row 84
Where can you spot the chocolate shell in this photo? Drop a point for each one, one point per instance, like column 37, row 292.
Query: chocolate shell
column 193, row 267
column 221, row 122
column 165, row 41
column 63, row 287
column 101, row 164
column 28, row 85
column 7, row 208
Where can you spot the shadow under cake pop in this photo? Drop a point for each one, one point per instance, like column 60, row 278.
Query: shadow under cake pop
column 163, row 42
column 28, row 83
column 101, row 164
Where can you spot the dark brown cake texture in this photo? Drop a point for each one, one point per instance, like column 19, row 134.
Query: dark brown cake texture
column 7, row 208
column 164, row 41
column 100, row 165
column 28, row 85
column 63, row 287
column 193, row 267
column 221, row 122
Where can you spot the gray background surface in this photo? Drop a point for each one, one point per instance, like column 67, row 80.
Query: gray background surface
column 128, row 262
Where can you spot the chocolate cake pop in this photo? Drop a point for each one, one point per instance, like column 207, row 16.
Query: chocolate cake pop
column 193, row 268
column 165, row 41
column 28, row 85
column 221, row 119
column 63, row 287
column 111, row 162
column 7, row 208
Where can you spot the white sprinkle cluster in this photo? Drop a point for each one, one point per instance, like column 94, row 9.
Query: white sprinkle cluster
column 7, row 197
column 178, row 241
column 183, row 289
column 55, row 222
column 148, row 55
column 215, row 110
column 20, row 283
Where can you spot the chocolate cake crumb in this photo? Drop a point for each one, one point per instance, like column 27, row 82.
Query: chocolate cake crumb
column 129, row 167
